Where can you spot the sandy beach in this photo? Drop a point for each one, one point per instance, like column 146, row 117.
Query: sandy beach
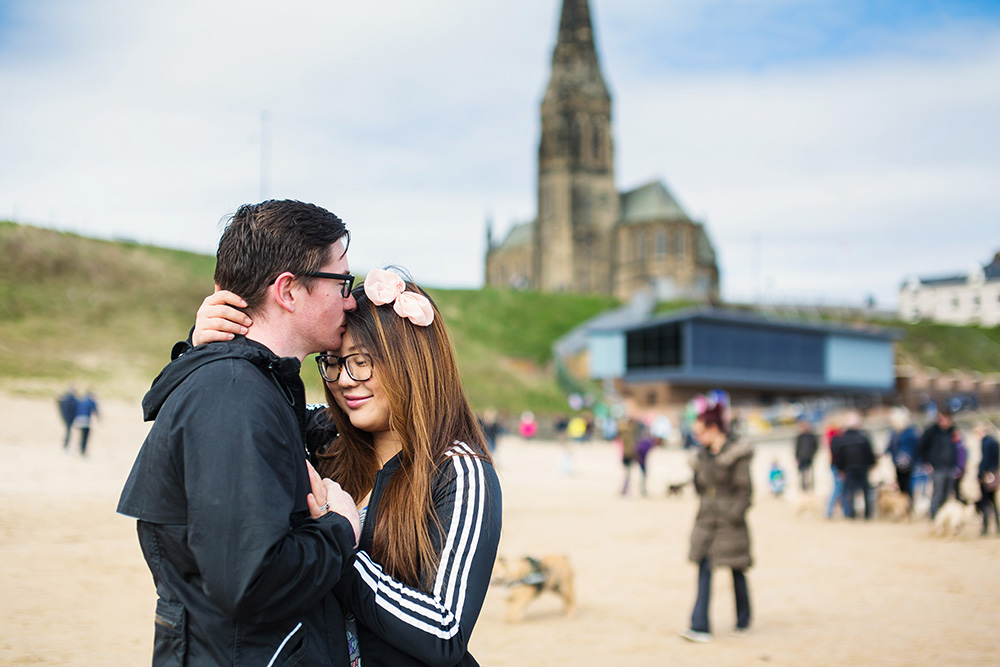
column 74, row 589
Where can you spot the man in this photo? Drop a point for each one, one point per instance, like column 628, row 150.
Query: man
column 937, row 449
column 85, row 410
column 854, row 457
column 806, row 445
column 220, row 485
column 902, row 448
column 67, row 410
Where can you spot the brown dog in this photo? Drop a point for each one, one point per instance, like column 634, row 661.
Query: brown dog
column 892, row 503
column 527, row 578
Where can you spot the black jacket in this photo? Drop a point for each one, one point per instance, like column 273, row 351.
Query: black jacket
column 806, row 445
column 399, row 625
column 219, row 490
column 937, row 447
column 852, row 451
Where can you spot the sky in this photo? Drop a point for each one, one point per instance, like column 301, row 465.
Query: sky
column 833, row 148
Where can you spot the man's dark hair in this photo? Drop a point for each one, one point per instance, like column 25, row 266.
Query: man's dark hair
column 261, row 241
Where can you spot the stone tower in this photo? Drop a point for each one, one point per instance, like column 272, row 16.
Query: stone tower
column 577, row 200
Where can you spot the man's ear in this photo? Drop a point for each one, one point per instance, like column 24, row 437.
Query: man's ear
column 282, row 291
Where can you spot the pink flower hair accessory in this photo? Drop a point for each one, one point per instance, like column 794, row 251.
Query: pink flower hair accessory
column 382, row 287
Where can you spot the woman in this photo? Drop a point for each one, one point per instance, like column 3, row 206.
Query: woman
column 720, row 537
column 400, row 437
column 989, row 469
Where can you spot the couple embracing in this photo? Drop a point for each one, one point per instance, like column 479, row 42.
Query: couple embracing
column 363, row 532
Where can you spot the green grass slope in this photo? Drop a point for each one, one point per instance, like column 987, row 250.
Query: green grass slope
column 105, row 314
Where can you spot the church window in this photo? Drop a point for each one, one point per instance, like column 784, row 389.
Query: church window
column 639, row 245
column 661, row 243
column 597, row 137
column 680, row 242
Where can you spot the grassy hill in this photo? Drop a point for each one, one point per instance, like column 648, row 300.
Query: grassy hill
column 105, row 314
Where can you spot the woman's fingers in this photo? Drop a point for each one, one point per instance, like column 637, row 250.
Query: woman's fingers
column 218, row 319
column 343, row 504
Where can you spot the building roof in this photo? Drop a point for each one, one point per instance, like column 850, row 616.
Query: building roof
column 521, row 234
column 990, row 272
column 649, row 203
column 745, row 318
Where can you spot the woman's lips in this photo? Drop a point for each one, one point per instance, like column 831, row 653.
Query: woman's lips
column 355, row 402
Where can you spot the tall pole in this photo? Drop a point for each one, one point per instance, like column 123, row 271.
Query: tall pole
column 265, row 155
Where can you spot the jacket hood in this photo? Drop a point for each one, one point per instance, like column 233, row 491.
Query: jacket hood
column 731, row 452
column 178, row 370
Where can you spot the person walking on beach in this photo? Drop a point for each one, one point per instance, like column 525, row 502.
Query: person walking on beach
column 837, row 495
column 67, row 410
column 86, row 410
column 806, row 444
column 989, row 477
column 221, row 488
column 937, row 449
column 902, row 448
column 720, row 537
column 853, row 457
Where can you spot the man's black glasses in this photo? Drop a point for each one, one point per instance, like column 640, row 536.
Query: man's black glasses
column 345, row 288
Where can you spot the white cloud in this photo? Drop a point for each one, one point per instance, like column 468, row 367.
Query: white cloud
column 415, row 121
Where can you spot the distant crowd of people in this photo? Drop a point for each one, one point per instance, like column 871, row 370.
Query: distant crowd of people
column 935, row 457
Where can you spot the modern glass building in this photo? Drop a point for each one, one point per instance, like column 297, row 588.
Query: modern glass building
column 668, row 358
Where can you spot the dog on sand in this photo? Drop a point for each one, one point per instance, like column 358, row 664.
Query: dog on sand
column 951, row 518
column 676, row 489
column 892, row 503
column 527, row 578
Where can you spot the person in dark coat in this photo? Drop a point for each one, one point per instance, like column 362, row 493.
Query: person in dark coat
column 937, row 449
column 720, row 537
column 989, row 470
column 806, row 444
column 854, row 456
column 67, row 410
column 220, row 489
column 902, row 448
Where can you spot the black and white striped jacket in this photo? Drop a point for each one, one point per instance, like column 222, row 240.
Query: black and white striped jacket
column 399, row 625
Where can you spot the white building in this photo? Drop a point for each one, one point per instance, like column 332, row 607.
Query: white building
column 961, row 299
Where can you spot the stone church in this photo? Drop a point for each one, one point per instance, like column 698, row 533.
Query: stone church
column 588, row 237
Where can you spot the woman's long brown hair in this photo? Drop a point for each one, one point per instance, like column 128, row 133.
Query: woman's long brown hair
column 415, row 367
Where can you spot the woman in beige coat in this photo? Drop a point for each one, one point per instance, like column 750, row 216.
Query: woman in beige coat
column 720, row 537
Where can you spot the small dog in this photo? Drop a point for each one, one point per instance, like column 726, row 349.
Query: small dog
column 807, row 504
column 951, row 517
column 527, row 578
column 892, row 503
column 676, row 489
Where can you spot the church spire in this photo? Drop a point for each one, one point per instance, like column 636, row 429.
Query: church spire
column 574, row 60
column 577, row 201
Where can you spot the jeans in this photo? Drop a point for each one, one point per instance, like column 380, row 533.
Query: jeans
column 84, row 434
column 944, row 480
column 854, row 481
column 838, row 494
column 699, row 617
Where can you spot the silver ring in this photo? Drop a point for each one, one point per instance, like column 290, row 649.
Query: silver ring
column 325, row 507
